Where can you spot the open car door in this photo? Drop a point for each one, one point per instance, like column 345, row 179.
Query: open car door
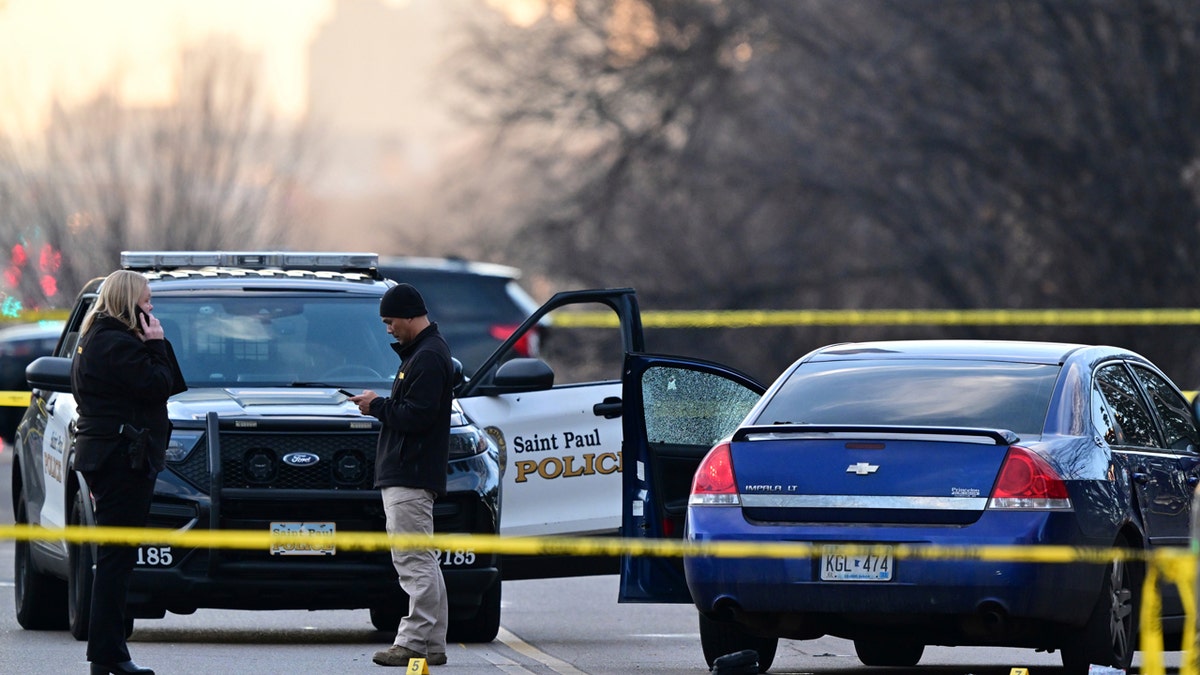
column 556, row 419
column 676, row 409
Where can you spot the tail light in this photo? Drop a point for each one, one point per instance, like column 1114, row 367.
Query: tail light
column 713, row 483
column 527, row 345
column 1028, row 482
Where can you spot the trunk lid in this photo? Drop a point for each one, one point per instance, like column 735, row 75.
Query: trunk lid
column 867, row 474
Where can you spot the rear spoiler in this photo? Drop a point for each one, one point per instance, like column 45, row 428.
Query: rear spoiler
column 875, row 432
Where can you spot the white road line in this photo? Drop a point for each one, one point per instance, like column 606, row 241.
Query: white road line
column 505, row 665
column 524, row 648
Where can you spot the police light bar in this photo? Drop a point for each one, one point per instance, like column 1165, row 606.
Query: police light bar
column 255, row 260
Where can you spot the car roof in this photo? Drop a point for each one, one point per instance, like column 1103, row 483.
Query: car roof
column 32, row 331
column 448, row 265
column 223, row 278
column 231, row 278
column 995, row 350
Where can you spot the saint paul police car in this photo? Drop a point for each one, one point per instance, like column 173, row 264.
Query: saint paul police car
column 262, row 440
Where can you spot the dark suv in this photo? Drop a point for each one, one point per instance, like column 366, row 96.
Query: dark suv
column 476, row 305
column 19, row 346
column 262, row 440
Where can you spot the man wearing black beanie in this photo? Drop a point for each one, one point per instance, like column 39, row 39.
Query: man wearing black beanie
column 410, row 467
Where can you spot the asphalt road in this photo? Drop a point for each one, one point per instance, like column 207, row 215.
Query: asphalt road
column 562, row 627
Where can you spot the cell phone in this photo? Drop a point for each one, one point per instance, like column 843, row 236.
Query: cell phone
column 348, row 394
column 138, row 313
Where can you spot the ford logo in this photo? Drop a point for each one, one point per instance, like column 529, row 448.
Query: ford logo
column 300, row 459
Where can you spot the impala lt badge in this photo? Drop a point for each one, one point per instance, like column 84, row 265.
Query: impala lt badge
column 862, row 468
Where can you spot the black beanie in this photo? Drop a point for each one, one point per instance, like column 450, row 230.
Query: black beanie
column 403, row 302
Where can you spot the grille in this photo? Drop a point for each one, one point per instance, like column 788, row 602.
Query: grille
column 255, row 460
column 194, row 468
column 344, row 461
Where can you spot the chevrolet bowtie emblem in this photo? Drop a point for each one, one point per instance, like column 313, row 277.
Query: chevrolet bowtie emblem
column 862, row 468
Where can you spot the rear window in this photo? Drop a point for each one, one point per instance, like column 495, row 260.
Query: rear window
column 1013, row 396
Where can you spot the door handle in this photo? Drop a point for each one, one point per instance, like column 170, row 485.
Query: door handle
column 609, row 408
column 1141, row 477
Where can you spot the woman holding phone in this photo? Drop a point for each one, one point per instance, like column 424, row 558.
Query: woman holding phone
column 122, row 374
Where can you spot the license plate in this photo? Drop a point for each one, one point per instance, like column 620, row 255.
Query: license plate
column 837, row 566
column 317, row 539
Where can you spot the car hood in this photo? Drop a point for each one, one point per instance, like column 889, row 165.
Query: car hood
column 195, row 404
column 232, row 402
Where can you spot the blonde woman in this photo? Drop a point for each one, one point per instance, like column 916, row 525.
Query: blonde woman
column 122, row 374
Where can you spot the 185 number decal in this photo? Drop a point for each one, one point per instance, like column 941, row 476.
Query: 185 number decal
column 456, row 558
column 155, row 556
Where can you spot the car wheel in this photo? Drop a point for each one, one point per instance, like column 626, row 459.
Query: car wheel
column 40, row 598
column 387, row 619
column 1108, row 637
column 884, row 652
column 79, row 579
column 718, row 638
column 484, row 625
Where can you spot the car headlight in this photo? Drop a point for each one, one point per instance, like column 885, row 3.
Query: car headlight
column 182, row 442
column 467, row 442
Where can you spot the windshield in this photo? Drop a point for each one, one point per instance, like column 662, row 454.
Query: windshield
column 272, row 340
column 979, row 394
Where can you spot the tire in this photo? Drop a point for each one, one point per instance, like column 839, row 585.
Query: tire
column 79, row 579
column 41, row 599
column 718, row 638
column 1109, row 638
column 883, row 652
column 387, row 619
column 484, row 625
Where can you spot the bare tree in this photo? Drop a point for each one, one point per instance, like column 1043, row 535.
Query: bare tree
column 215, row 169
column 855, row 153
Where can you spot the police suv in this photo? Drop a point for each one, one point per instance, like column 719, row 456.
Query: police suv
column 261, row 440
column 593, row 437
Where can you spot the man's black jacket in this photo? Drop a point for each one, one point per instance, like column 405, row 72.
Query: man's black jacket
column 414, row 445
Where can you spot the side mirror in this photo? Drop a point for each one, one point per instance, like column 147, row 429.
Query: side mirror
column 52, row 373
column 458, row 378
column 517, row 375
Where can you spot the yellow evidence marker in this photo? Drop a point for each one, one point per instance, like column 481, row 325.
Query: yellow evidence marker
column 418, row 667
column 1019, row 671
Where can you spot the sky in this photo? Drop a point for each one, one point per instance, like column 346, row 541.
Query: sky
column 69, row 48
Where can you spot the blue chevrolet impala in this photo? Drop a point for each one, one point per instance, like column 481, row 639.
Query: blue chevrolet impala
column 861, row 448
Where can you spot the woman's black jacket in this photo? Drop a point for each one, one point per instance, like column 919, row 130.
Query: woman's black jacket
column 118, row 379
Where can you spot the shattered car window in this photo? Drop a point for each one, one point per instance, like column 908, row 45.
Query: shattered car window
column 687, row 407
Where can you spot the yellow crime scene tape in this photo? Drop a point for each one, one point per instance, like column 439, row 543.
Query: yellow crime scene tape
column 1174, row 566
column 748, row 318
column 34, row 316
column 751, row 318
column 17, row 399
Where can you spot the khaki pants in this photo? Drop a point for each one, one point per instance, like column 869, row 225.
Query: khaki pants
column 423, row 630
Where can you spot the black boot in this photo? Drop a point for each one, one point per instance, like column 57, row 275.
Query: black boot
column 120, row 669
